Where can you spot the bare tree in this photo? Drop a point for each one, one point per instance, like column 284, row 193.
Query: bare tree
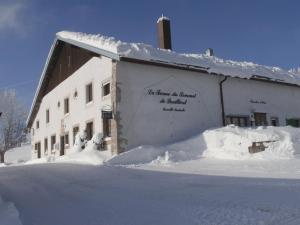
column 12, row 122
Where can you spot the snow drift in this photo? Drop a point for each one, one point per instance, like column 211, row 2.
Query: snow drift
column 226, row 143
column 232, row 142
column 229, row 142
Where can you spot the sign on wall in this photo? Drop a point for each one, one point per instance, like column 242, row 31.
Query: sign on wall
column 175, row 101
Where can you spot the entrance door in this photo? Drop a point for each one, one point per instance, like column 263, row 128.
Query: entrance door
column 62, row 145
column 39, row 150
column 260, row 119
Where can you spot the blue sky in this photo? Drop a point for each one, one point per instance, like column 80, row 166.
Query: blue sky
column 262, row 31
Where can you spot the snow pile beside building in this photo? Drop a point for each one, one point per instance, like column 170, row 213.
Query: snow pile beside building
column 223, row 143
column 211, row 64
column 9, row 215
column 232, row 142
column 227, row 143
column 87, row 156
column 19, row 154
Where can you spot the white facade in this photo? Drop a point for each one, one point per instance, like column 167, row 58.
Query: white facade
column 145, row 118
column 96, row 71
column 155, row 100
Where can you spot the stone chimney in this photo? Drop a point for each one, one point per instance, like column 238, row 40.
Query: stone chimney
column 209, row 52
column 164, row 33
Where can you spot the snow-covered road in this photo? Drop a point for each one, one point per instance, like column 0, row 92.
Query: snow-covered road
column 65, row 194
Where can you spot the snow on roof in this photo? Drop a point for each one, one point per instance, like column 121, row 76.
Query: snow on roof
column 162, row 18
column 212, row 64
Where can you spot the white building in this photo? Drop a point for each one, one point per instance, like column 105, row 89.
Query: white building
column 137, row 95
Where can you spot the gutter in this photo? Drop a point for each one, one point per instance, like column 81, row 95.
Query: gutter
column 222, row 99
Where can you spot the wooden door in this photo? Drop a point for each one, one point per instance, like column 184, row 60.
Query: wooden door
column 62, row 145
column 260, row 119
column 39, row 150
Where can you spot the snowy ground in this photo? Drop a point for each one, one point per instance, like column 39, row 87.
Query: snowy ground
column 66, row 194
column 163, row 188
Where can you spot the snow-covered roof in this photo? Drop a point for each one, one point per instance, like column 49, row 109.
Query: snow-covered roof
column 116, row 49
column 212, row 64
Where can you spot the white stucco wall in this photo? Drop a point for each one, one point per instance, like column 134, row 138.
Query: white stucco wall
column 97, row 70
column 276, row 100
column 142, row 118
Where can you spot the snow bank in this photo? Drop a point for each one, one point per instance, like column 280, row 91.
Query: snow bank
column 19, row 154
column 223, row 143
column 228, row 143
column 210, row 63
column 232, row 142
column 9, row 215
column 86, row 156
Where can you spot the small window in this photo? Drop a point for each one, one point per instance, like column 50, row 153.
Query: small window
column 66, row 105
column 89, row 130
column 46, row 146
column 53, row 141
column 260, row 119
column 241, row 121
column 67, row 140
column 274, row 121
column 107, row 127
column 293, row 122
column 75, row 95
column 75, row 131
column 106, row 89
column 37, row 124
column 47, row 116
column 89, row 92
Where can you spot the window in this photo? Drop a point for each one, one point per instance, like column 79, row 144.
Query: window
column 274, row 121
column 37, row 124
column 241, row 121
column 260, row 119
column 66, row 105
column 47, row 116
column 53, row 141
column 293, row 122
column 106, row 89
column 89, row 92
column 46, row 146
column 89, row 130
column 106, row 127
column 75, row 131
column 67, row 140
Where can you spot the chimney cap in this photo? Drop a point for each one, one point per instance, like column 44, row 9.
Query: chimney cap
column 162, row 18
column 209, row 52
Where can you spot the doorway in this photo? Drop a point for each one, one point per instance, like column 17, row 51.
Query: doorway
column 39, row 150
column 62, row 145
